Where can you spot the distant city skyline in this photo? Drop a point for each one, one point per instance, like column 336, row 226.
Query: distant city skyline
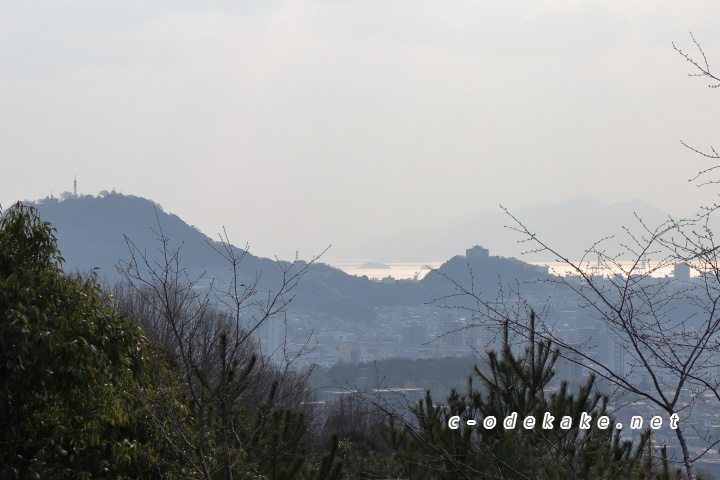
column 301, row 124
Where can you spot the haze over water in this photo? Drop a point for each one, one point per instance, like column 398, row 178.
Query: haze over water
column 406, row 271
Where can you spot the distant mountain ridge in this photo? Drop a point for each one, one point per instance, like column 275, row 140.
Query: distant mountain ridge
column 570, row 227
column 92, row 233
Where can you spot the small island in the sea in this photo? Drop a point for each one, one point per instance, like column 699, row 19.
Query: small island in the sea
column 374, row 265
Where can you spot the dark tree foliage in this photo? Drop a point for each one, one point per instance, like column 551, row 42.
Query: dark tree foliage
column 85, row 394
column 70, row 366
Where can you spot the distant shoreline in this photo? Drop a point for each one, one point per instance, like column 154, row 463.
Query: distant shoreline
column 407, row 270
column 398, row 271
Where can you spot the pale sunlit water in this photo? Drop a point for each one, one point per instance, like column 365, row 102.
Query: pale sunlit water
column 401, row 271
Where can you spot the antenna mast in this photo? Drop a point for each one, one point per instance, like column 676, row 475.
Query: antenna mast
column 75, row 186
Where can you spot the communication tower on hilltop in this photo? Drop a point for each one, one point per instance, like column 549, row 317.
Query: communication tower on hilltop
column 75, row 187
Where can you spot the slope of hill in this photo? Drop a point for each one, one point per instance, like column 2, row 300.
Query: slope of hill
column 92, row 233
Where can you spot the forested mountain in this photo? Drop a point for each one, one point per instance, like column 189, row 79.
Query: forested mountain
column 154, row 382
column 94, row 232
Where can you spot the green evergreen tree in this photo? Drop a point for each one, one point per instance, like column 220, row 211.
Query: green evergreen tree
column 515, row 385
column 71, row 367
column 84, row 394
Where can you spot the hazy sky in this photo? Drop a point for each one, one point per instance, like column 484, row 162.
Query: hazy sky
column 298, row 124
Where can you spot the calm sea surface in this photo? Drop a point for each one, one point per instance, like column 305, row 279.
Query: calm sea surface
column 410, row 270
column 397, row 270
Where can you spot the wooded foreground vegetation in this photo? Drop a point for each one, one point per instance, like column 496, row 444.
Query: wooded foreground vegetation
column 155, row 379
